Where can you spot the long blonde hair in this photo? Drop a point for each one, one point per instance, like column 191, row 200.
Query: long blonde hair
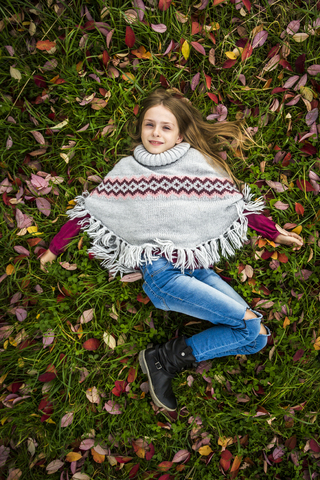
column 208, row 138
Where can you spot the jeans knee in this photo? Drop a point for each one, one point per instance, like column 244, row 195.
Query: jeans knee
column 261, row 342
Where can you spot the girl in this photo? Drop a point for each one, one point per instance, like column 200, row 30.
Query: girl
column 171, row 210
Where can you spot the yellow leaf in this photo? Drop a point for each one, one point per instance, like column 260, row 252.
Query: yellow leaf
column 13, row 342
column 32, row 229
column 286, row 322
column 185, row 49
column 80, row 331
column 225, row 441
column 79, row 66
column 54, row 79
column 205, row 450
column 307, row 93
column 215, row 26
column 20, row 363
column 274, row 256
column 50, row 421
column 270, row 242
column 73, row 456
column 97, row 457
column 10, row 269
column 5, row 345
column 128, row 76
column 256, row 30
column 72, row 202
column 297, row 229
column 232, row 55
column 141, row 452
column 3, row 420
column 2, row 379
column 317, row 344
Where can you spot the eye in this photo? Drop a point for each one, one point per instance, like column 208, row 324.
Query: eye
column 166, row 128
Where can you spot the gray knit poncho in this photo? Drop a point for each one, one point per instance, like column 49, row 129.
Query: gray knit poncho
column 173, row 204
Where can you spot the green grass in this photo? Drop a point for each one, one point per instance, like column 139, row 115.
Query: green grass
column 284, row 383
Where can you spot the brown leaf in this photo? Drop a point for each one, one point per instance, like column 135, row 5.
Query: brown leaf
column 91, row 344
column 45, row 45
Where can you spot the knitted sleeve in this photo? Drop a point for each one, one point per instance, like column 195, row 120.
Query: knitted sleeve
column 262, row 225
column 69, row 230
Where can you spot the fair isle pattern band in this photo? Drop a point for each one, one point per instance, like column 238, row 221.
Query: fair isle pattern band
column 155, row 185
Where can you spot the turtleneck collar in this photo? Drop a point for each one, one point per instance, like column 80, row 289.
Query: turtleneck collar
column 160, row 159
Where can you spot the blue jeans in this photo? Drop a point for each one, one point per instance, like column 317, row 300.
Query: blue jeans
column 203, row 294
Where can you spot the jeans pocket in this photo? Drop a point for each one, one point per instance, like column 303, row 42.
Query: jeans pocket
column 156, row 267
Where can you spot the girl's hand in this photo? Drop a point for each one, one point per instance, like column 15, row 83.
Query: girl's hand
column 290, row 238
column 47, row 257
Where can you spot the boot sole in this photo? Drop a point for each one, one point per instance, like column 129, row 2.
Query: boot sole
column 144, row 368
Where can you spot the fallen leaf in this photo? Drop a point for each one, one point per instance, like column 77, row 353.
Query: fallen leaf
column 73, row 456
column 185, row 50
column 45, row 45
column 67, row 419
column 205, row 450
column 91, row 344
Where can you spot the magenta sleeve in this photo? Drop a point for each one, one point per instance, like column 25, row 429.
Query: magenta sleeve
column 67, row 232
column 262, row 225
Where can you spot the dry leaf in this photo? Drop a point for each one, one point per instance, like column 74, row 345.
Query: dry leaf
column 73, row 456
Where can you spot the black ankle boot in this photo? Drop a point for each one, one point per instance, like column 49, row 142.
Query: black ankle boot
column 161, row 363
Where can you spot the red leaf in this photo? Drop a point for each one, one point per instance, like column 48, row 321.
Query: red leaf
column 195, row 28
column 309, row 149
column 291, row 442
column 299, row 208
column 166, row 476
column 132, row 375
column 213, row 97
column 283, row 258
column 247, row 4
column 229, row 63
column 105, row 57
column 286, row 65
column 225, row 460
column 91, row 344
column 39, row 81
column 286, row 160
column 208, row 81
column 142, row 299
column 164, row 82
column 266, row 255
column 298, row 355
column 123, row 459
column 198, row 47
column 150, row 454
column 164, row 466
column 136, row 110
column 164, row 5
column 130, row 37
column 278, row 90
column 274, row 50
column 304, row 185
column 315, row 447
column 299, row 63
column 47, row 377
column 247, row 51
column 134, row 470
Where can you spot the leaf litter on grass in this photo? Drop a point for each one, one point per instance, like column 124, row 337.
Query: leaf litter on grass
column 69, row 338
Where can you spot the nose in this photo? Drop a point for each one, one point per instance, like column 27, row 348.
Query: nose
column 156, row 131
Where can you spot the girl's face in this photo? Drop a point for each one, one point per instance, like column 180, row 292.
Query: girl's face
column 160, row 130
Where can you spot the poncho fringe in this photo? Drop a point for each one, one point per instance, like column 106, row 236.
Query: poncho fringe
column 118, row 256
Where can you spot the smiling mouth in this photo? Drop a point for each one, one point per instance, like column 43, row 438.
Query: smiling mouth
column 153, row 142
